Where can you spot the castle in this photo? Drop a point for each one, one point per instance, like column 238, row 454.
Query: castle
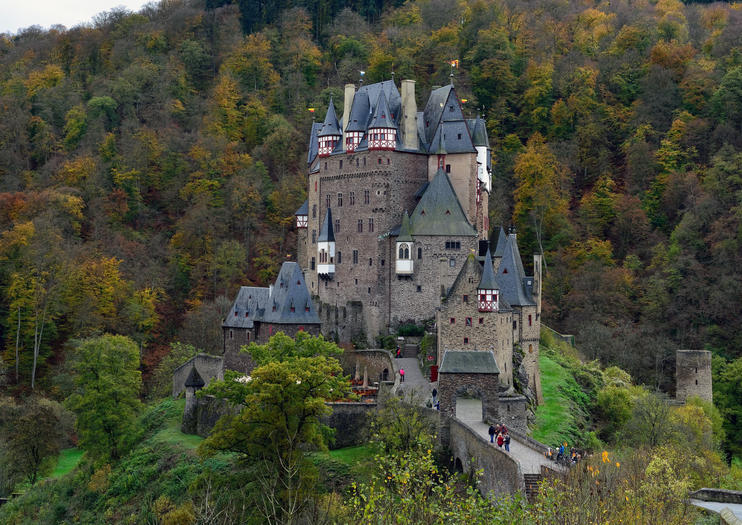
column 395, row 229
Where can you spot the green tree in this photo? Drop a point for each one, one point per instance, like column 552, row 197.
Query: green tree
column 282, row 400
column 107, row 385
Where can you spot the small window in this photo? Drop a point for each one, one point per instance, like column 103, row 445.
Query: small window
column 530, row 320
column 419, row 253
column 314, row 236
column 340, row 200
column 459, row 136
column 306, row 308
column 388, row 161
column 364, row 161
column 292, row 309
column 369, row 290
column 450, row 108
column 339, row 257
column 311, row 265
column 453, row 320
column 370, row 261
column 481, row 320
column 355, row 259
column 235, row 313
column 382, row 262
column 327, row 201
column 379, row 159
column 337, row 225
column 314, row 211
column 452, row 262
column 352, row 197
column 360, row 225
column 366, row 197
column 468, row 321
column 465, row 298
column 341, row 164
column 419, row 288
column 274, row 307
column 370, row 225
column 448, row 168
column 466, row 340
column 515, row 325
column 231, row 334
column 505, row 270
column 246, row 314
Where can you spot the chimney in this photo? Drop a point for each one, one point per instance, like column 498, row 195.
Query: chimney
column 409, row 115
column 350, row 91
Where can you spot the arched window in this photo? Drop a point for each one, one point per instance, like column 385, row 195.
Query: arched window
column 401, row 251
column 406, row 252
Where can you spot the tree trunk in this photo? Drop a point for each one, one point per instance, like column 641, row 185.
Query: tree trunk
column 38, row 334
column 17, row 342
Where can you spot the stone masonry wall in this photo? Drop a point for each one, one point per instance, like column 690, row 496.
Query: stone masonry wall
column 351, row 422
column 375, row 361
column 463, row 176
column 266, row 330
column 693, row 375
column 209, row 367
column 492, row 333
column 343, row 322
column 501, row 474
column 417, row 297
column 482, row 386
column 513, row 412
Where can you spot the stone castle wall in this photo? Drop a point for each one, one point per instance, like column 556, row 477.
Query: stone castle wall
column 482, row 386
column 693, row 375
column 375, row 361
column 209, row 367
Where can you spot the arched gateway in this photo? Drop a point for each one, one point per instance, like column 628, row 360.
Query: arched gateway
column 473, row 373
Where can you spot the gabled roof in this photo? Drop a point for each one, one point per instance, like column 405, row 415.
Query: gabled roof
column 256, row 304
column 364, row 104
column 313, row 142
column 468, row 362
column 510, row 275
column 194, row 379
column 439, row 211
column 303, row 209
column 433, row 111
column 330, row 126
column 290, row 292
column 488, row 282
column 382, row 117
column 326, row 233
column 502, row 240
column 405, row 231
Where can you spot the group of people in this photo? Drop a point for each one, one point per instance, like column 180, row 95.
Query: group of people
column 562, row 455
column 499, row 433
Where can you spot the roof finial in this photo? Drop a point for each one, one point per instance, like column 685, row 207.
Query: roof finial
column 363, row 73
column 451, row 75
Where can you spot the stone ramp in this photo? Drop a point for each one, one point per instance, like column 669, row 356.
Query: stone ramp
column 414, row 381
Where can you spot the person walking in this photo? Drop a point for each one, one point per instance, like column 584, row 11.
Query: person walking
column 399, row 352
column 401, row 375
column 500, row 440
column 492, row 433
column 506, row 440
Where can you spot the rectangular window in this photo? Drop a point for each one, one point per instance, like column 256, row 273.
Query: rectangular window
column 382, row 262
column 452, row 262
column 352, row 197
column 448, row 168
column 341, row 164
column 314, row 211
column 370, row 225
column 466, row 340
column 453, row 245
column 360, row 225
column 355, row 256
column 419, row 253
column 337, row 225
column 311, row 266
column 530, row 321
column 340, row 200
column 468, row 321
column 366, row 197
column 419, row 288
column 314, row 236
column 465, row 298
column 453, row 320
column 370, row 261
column 481, row 320
column 327, row 201
column 339, row 257
column 515, row 325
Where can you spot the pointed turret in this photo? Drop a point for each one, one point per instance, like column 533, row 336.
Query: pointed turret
column 382, row 131
column 404, row 262
column 330, row 134
column 511, row 276
column 302, row 215
column 482, row 145
column 488, row 290
column 326, row 247
column 502, row 241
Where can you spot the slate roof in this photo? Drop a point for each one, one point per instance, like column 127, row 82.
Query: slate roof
column 433, row 111
column 194, row 379
column 289, row 290
column 488, row 282
column 511, row 276
column 405, row 231
column 382, row 117
column 303, row 209
column 362, row 109
column 439, row 211
column 502, row 240
column 330, row 126
column 478, row 131
column 327, row 233
column 468, row 362
column 313, row 142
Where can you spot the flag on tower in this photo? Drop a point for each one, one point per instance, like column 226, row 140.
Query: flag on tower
column 455, row 63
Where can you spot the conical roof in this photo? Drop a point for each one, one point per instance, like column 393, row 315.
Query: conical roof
column 488, row 282
column 439, row 211
column 502, row 241
column 330, row 126
column 479, row 133
column 194, row 379
column 405, row 231
column 440, row 147
column 510, row 275
column 382, row 118
column 303, row 209
column 327, row 234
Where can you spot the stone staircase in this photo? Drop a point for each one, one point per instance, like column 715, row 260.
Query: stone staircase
column 531, row 482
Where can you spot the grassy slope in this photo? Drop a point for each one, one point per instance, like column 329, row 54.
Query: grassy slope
column 555, row 421
column 68, row 460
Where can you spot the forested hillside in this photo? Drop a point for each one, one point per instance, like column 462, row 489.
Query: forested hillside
column 151, row 162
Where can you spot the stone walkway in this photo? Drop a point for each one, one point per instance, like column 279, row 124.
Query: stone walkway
column 470, row 412
column 718, row 507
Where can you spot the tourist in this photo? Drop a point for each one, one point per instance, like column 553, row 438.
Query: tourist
column 399, row 352
column 435, row 394
column 401, row 375
column 492, row 433
column 506, row 440
column 500, row 440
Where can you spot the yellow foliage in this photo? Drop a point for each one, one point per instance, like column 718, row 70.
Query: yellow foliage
column 20, row 235
column 592, row 27
column 99, row 481
column 48, row 77
column 75, row 172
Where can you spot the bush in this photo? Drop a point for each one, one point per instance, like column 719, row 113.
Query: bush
column 411, row 330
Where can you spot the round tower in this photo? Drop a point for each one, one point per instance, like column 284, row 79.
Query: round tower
column 693, row 375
